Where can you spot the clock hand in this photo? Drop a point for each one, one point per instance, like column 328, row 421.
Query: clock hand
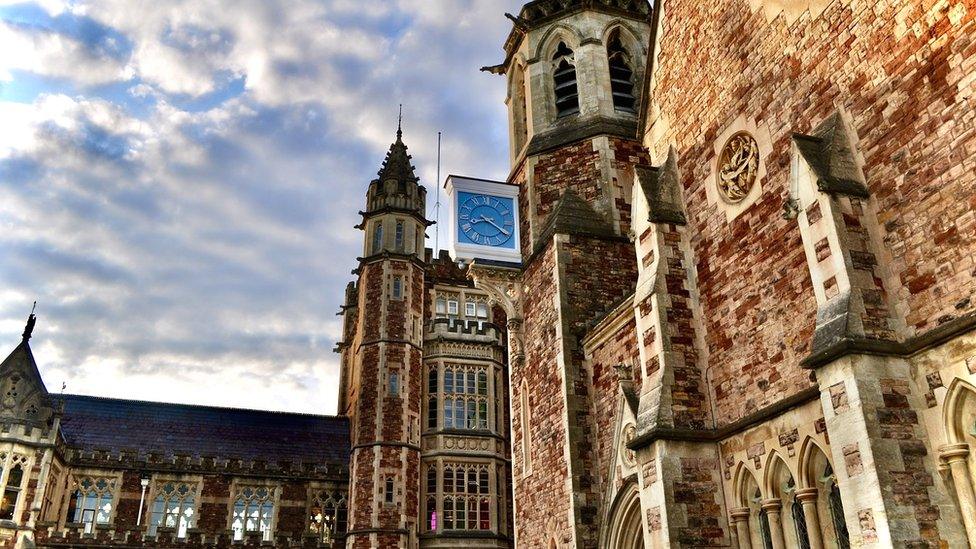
column 493, row 224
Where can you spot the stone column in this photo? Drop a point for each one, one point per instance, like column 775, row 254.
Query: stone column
column 740, row 521
column 957, row 456
column 774, row 511
column 808, row 499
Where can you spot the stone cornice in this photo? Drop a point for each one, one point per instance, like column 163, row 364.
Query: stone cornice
column 715, row 435
column 910, row 347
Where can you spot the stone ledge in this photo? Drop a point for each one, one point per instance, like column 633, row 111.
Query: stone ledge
column 911, row 346
column 721, row 433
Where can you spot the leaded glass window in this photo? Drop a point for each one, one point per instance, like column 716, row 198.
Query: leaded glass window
column 92, row 501
column 466, row 397
column 328, row 514
column 174, row 506
column 12, row 487
column 764, row 532
column 378, row 237
column 467, row 497
column 398, row 237
column 253, row 511
column 836, row 506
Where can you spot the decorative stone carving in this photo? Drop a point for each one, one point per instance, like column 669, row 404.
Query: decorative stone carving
column 738, row 167
column 630, row 456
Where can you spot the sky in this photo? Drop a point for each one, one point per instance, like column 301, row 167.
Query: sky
column 179, row 180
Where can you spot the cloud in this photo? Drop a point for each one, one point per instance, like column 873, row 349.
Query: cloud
column 179, row 182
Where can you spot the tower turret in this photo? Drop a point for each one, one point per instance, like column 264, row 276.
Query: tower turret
column 575, row 73
column 382, row 358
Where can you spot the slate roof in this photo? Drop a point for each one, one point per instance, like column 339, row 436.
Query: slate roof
column 156, row 427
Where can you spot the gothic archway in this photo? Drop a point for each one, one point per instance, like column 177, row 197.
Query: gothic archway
column 624, row 530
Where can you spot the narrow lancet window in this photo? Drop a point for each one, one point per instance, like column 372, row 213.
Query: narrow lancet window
column 564, row 81
column 621, row 75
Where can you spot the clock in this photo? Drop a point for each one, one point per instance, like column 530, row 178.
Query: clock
column 486, row 219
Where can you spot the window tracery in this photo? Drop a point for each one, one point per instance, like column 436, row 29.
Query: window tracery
column 93, row 501
column 467, row 497
column 836, row 508
column 466, row 397
column 253, row 511
column 174, row 506
column 565, row 86
column 328, row 514
column 13, row 481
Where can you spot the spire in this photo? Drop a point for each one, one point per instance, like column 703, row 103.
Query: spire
column 31, row 320
column 400, row 124
column 397, row 164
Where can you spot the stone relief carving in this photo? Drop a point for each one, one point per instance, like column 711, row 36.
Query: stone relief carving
column 630, row 456
column 739, row 167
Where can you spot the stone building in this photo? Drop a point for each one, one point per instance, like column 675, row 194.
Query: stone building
column 81, row 471
column 743, row 317
column 744, row 314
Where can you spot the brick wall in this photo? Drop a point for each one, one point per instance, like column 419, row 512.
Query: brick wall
column 902, row 69
column 618, row 348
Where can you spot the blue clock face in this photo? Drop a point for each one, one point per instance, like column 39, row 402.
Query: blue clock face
column 486, row 220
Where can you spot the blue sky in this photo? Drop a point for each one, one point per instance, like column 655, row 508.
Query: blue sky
column 179, row 182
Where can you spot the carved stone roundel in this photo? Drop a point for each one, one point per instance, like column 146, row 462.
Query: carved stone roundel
column 738, row 166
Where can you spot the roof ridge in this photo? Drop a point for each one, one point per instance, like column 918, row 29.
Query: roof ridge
column 199, row 406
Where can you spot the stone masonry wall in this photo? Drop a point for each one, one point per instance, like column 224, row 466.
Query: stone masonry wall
column 904, row 71
column 618, row 348
column 543, row 498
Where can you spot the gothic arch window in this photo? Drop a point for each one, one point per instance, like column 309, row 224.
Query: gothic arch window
column 799, row 520
column 836, row 508
column 328, row 513
column 565, row 85
column 765, row 534
column 520, row 110
column 398, row 238
column 92, row 501
column 11, row 491
column 253, row 511
column 377, row 237
column 621, row 74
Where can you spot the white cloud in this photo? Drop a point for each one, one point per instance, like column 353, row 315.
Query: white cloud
column 178, row 246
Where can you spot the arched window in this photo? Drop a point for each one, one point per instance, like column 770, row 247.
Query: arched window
column 173, row 507
column 11, row 493
column 520, row 118
column 431, row 514
column 796, row 514
column 621, row 75
column 378, row 237
column 398, row 240
column 328, row 514
column 764, row 532
column 836, row 507
column 564, row 81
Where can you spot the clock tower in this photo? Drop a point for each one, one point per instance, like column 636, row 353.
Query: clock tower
column 382, row 357
column 575, row 75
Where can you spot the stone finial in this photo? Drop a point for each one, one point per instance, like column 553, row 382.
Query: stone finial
column 31, row 320
column 831, row 156
column 661, row 186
